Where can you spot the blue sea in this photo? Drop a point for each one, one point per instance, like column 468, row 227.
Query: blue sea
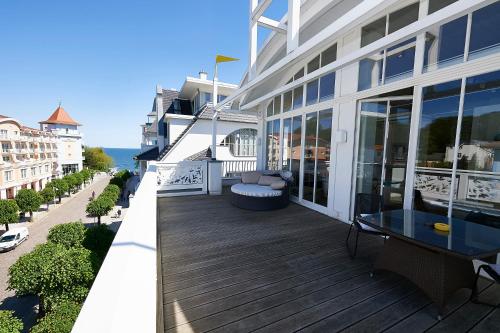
column 123, row 157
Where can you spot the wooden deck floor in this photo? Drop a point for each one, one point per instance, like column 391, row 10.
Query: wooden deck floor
column 231, row 270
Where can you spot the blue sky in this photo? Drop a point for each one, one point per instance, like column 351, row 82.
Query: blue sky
column 104, row 58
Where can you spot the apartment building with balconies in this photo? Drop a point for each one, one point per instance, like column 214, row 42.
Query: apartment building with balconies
column 29, row 157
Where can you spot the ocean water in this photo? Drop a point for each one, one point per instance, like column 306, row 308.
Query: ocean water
column 123, row 157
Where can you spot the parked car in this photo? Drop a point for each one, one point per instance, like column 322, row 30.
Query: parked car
column 12, row 238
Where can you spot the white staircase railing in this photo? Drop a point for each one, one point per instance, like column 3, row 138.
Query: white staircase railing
column 231, row 169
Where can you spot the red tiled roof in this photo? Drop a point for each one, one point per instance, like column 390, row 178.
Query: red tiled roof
column 60, row 116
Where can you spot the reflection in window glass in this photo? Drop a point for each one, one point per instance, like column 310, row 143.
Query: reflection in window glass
column 485, row 36
column 403, row 17
column 478, row 167
column 327, row 87
column 287, row 101
column 269, row 111
column 298, row 96
column 323, row 157
column 438, row 125
column 309, row 156
column 277, row 104
column 329, row 55
column 296, row 153
column 287, row 144
column 313, row 65
column 445, row 45
column 373, row 31
column 399, row 61
column 370, row 72
column 312, row 92
column 435, row 5
column 273, row 144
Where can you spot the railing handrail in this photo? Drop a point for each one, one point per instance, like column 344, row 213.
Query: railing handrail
column 124, row 295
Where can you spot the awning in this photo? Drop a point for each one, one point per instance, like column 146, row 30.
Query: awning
column 149, row 155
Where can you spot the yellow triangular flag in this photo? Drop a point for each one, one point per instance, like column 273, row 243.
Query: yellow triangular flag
column 221, row 58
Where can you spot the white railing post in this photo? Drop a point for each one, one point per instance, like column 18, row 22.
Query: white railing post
column 214, row 177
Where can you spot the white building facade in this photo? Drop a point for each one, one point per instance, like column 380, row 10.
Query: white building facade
column 69, row 141
column 381, row 97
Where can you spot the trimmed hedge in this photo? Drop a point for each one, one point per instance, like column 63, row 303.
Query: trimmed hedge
column 69, row 234
column 9, row 323
column 60, row 320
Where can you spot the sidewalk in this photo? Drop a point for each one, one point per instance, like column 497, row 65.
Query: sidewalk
column 71, row 209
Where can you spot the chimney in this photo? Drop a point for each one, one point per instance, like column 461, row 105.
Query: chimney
column 203, row 75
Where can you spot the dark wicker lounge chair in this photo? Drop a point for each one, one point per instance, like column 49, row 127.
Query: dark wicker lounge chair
column 493, row 271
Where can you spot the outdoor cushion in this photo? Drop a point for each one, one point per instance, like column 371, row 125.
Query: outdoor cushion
column 279, row 185
column 250, row 177
column 254, row 190
column 268, row 180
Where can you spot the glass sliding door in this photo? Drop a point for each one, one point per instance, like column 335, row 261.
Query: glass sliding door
column 317, row 154
column 383, row 139
column 310, row 141
column 292, row 150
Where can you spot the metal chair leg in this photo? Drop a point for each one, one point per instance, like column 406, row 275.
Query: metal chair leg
column 356, row 245
column 473, row 295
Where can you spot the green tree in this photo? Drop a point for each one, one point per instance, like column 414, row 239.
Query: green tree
column 98, row 239
column 54, row 273
column 72, row 182
column 97, row 159
column 60, row 187
column 99, row 207
column 60, row 320
column 86, row 174
column 8, row 212
column 9, row 323
column 48, row 194
column 78, row 179
column 29, row 201
column 68, row 234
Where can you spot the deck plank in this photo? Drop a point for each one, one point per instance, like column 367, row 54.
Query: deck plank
column 231, row 270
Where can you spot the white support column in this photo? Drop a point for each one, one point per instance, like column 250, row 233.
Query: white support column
column 252, row 40
column 214, row 118
column 292, row 40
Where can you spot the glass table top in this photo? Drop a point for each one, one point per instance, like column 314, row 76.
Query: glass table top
column 468, row 239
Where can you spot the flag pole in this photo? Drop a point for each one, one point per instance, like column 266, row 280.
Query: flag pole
column 214, row 118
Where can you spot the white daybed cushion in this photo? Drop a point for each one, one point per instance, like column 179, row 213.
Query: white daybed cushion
column 250, row 177
column 254, row 190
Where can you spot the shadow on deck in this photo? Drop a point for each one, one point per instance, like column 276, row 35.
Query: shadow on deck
column 230, row 270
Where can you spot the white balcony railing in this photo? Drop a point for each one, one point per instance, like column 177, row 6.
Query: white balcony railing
column 231, row 169
column 183, row 178
column 123, row 297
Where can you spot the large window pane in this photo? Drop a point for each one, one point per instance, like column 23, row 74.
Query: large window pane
column 478, row 165
column 373, row 31
column 403, row 17
column 435, row 5
column 445, row 45
column 438, row 125
column 485, row 36
column 298, row 97
column 269, row 111
column 323, row 157
column 400, row 60
column 313, row 65
column 273, row 144
column 370, row 72
column 327, row 87
column 277, row 104
column 309, row 155
column 287, row 144
column 296, row 154
column 329, row 55
column 371, row 147
column 312, row 92
column 287, row 101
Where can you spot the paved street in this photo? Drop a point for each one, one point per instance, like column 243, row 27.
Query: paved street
column 72, row 209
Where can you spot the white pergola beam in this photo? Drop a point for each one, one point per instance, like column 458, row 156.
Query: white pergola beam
column 292, row 37
column 259, row 10
column 271, row 24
